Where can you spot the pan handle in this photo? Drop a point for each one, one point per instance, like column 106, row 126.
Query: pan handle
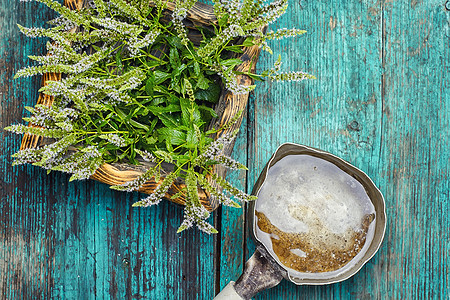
column 259, row 274
column 228, row 293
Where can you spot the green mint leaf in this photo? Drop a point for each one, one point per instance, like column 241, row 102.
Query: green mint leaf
column 202, row 83
column 248, row 42
column 232, row 62
column 161, row 76
column 211, row 94
column 174, row 58
column 150, row 84
column 172, row 136
column 196, row 68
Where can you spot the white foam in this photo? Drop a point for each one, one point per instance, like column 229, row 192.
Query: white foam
column 298, row 252
column 306, row 194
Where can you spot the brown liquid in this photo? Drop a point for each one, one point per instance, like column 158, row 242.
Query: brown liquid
column 322, row 256
column 313, row 217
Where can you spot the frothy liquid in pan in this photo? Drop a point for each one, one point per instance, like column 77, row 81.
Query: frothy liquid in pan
column 313, row 218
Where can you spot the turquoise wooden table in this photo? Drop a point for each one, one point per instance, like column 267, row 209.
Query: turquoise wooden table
column 381, row 101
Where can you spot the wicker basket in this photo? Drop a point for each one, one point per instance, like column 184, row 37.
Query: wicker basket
column 226, row 108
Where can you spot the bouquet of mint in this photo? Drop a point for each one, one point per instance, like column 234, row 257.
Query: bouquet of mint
column 139, row 84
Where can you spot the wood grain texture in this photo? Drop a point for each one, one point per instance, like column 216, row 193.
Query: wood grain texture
column 415, row 147
column 381, row 101
column 232, row 222
column 81, row 240
column 200, row 14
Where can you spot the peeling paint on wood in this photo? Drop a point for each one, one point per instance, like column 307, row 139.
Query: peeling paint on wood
column 381, row 101
column 81, row 240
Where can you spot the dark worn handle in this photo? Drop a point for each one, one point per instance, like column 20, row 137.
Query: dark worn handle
column 259, row 274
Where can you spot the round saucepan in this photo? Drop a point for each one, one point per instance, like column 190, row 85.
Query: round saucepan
column 262, row 271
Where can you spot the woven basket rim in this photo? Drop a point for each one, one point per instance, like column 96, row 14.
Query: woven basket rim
column 228, row 106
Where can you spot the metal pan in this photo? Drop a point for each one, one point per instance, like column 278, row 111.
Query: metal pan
column 262, row 271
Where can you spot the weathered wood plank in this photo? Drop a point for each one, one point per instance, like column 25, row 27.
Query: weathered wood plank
column 415, row 149
column 342, row 49
column 231, row 239
column 23, row 270
column 381, row 101
column 81, row 240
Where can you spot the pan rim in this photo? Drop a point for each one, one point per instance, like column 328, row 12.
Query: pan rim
column 360, row 263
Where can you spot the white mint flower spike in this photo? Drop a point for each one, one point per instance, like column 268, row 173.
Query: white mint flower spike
column 135, row 87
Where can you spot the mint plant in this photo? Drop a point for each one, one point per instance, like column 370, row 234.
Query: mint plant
column 136, row 86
